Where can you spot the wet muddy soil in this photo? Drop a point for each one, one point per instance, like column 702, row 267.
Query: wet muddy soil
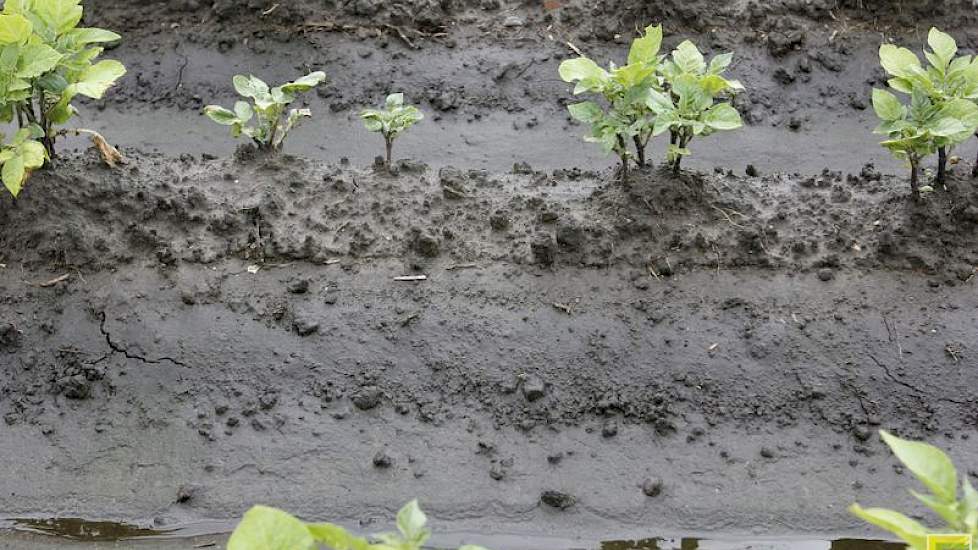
column 498, row 328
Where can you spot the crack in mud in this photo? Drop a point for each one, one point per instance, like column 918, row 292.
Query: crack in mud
column 892, row 377
column 117, row 348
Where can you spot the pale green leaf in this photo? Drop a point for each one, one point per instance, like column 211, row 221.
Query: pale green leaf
column 95, row 80
column 264, row 528
column 581, row 68
column 887, row 106
column 249, row 86
column 943, row 45
column 411, row 520
column 645, row 49
column 221, row 115
column 13, row 174
column 586, row 111
column 336, row 537
column 911, row 532
column 898, row 61
column 92, row 36
column 14, row 29
column 305, row 83
column 722, row 116
column 37, row 59
column 688, row 58
column 931, row 466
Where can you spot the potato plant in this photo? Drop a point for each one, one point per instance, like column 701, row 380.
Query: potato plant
column 46, row 61
column 265, row 528
column 916, row 131
column 265, row 120
column 688, row 107
column 945, row 79
column 621, row 118
column 958, row 509
column 391, row 121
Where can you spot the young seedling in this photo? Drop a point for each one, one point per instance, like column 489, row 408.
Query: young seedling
column 933, row 468
column 265, row 528
column 688, row 108
column 18, row 158
column 621, row 116
column 945, row 79
column 47, row 61
column 916, row 131
column 269, row 123
column 394, row 119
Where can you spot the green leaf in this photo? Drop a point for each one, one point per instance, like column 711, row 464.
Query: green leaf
column 943, row 45
column 33, row 153
column 931, row 466
column 887, row 106
column 95, row 80
column 92, row 35
column 900, row 525
column 372, row 124
column 899, row 62
column 13, row 174
column 411, row 521
column 264, row 528
column 722, row 116
column 336, row 537
column 60, row 15
column 645, row 49
column 243, row 111
column 221, row 115
column 581, row 68
column 720, row 62
column 37, row 59
column 586, row 111
column 688, row 58
column 14, row 29
column 249, row 86
column 52, row 82
column 305, row 83
column 394, row 100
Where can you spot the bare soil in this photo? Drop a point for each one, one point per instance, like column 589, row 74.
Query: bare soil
column 200, row 330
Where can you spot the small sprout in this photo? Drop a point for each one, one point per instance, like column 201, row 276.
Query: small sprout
column 266, row 112
column 689, row 109
column 394, row 119
column 19, row 157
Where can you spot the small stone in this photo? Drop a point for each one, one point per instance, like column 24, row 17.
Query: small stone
column 368, row 398
column 305, row 327
column 186, row 493
column 557, row 499
column 752, row 171
column 534, row 388
column 298, row 286
column 610, row 429
column 652, row 487
column 826, row 274
column 766, row 452
column 862, row 433
column 513, row 21
column 382, row 460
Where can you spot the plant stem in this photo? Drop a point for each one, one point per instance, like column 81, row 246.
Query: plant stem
column 941, row 165
column 914, row 183
column 623, row 155
column 388, row 145
column 974, row 170
column 640, row 150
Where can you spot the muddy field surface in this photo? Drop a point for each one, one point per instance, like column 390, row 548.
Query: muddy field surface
column 182, row 338
column 568, row 357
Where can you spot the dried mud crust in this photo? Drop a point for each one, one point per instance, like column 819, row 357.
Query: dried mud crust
column 604, row 18
column 81, row 215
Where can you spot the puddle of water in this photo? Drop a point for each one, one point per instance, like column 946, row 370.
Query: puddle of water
column 84, row 530
column 73, row 531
